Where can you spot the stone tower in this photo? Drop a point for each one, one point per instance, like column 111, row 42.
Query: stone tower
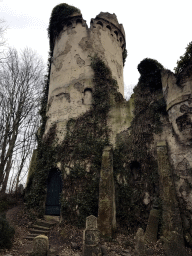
column 71, row 78
column 80, row 122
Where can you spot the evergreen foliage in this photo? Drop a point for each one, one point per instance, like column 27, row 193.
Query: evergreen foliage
column 135, row 164
column 58, row 19
column 150, row 71
column 124, row 56
column 185, row 60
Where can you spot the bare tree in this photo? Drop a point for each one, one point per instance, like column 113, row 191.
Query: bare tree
column 2, row 39
column 21, row 79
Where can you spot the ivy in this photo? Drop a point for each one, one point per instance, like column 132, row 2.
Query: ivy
column 135, row 166
column 85, row 139
column 58, row 19
column 124, row 55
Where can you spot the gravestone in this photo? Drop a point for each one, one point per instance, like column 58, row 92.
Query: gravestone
column 40, row 246
column 107, row 208
column 140, row 249
column 91, row 239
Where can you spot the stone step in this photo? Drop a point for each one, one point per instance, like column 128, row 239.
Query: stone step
column 39, row 232
column 38, row 227
column 52, row 218
column 30, row 237
column 45, row 223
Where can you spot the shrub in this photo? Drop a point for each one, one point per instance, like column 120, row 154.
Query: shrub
column 6, row 233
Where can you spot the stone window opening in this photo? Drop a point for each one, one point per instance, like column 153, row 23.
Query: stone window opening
column 87, row 96
column 100, row 23
column 116, row 33
column 78, row 21
column 108, row 27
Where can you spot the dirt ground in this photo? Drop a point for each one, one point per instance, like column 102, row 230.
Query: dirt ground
column 66, row 240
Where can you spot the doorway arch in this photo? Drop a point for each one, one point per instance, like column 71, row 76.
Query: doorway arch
column 54, row 189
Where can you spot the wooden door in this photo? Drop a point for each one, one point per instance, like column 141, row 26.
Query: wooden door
column 54, row 188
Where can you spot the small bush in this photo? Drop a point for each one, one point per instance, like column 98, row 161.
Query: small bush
column 6, row 202
column 6, row 233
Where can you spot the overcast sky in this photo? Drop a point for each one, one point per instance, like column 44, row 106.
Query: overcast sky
column 154, row 29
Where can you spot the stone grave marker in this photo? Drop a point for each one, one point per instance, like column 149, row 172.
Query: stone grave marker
column 91, row 239
column 40, row 246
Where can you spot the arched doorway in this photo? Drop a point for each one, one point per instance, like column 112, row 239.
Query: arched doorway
column 54, row 188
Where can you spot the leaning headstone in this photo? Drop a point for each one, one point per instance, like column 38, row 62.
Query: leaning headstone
column 107, row 208
column 40, row 246
column 140, row 249
column 172, row 225
column 91, row 239
column 152, row 227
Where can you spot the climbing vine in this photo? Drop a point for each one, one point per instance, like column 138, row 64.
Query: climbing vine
column 80, row 152
column 58, row 19
column 135, row 165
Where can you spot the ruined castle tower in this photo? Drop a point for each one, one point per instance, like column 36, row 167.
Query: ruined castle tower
column 82, row 117
column 71, row 79
column 86, row 128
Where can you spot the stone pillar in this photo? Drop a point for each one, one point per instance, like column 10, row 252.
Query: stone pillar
column 172, row 225
column 107, row 208
column 91, row 238
column 152, row 227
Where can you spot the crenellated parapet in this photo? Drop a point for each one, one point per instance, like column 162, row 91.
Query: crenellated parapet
column 108, row 22
column 73, row 21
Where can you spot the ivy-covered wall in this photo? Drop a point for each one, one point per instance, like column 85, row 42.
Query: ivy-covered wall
column 135, row 164
column 79, row 155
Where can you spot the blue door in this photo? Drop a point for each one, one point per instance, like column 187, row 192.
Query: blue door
column 54, row 188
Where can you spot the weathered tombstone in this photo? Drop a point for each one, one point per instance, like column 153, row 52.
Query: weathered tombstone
column 172, row 225
column 107, row 208
column 152, row 227
column 140, row 249
column 91, row 239
column 40, row 246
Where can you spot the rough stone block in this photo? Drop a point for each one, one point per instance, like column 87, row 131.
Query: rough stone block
column 107, row 208
column 152, row 227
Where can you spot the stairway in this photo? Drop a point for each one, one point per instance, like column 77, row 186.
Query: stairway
column 42, row 227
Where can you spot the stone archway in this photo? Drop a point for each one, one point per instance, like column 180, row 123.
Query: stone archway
column 54, row 189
